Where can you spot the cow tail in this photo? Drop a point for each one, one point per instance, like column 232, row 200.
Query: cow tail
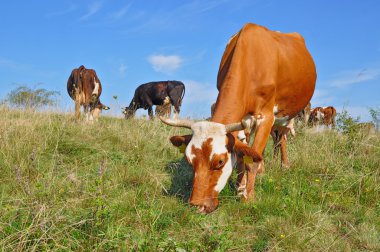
column 183, row 94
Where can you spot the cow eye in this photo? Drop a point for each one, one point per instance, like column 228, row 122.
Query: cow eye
column 219, row 164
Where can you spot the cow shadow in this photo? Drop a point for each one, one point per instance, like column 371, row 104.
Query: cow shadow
column 181, row 175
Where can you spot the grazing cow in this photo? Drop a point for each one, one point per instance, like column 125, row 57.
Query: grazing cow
column 155, row 93
column 325, row 116
column 265, row 79
column 84, row 88
column 165, row 109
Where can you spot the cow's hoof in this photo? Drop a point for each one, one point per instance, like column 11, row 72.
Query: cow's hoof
column 248, row 198
column 285, row 166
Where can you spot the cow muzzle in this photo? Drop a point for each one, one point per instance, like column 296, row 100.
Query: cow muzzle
column 205, row 206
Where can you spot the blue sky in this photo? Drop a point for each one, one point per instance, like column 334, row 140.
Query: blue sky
column 132, row 42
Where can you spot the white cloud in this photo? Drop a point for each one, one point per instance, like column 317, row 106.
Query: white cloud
column 165, row 63
column 122, row 69
column 355, row 76
column 93, row 8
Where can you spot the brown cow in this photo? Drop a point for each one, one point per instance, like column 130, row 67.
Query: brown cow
column 265, row 79
column 325, row 116
column 84, row 88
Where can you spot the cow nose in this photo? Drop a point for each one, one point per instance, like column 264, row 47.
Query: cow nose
column 206, row 206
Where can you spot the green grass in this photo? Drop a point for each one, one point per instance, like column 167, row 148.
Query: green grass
column 119, row 185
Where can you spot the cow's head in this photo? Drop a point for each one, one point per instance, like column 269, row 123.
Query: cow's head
column 98, row 109
column 130, row 110
column 211, row 151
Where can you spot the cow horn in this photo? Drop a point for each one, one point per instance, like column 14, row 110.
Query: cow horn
column 177, row 123
column 234, row 127
column 248, row 122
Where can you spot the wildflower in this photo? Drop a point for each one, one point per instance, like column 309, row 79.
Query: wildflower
column 317, row 180
column 270, row 180
column 282, row 236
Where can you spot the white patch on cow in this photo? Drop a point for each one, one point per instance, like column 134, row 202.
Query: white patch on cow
column 281, row 121
column 217, row 132
column 204, row 130
column 320, row 115
column 96, row 89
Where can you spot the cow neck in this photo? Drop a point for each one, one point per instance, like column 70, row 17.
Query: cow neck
column 228, row 108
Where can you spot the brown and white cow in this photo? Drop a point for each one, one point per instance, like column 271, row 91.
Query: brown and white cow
column 265, row 79
column 325, row 116
column 84, row 88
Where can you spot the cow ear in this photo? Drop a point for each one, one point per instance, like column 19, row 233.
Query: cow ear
column 230, row 142
column 177, row 141
column 248, row 151
column 181, row 142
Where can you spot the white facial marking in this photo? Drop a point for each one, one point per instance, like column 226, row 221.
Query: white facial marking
column 204, row 130
column 217, row 132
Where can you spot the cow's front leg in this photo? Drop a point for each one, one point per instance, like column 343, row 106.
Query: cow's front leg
column 279, row 142
column 150, row 112
column 264, row 125
column 241, row 182
column 77, row 104
column 86, row 112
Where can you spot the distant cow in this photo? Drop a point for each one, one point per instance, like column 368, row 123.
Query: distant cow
column 325, row 116
column 84, row 88
column 155, row 93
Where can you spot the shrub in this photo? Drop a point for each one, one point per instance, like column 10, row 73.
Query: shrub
column 31, row 98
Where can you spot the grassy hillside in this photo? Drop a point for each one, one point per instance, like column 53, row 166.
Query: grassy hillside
column 120, row 185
